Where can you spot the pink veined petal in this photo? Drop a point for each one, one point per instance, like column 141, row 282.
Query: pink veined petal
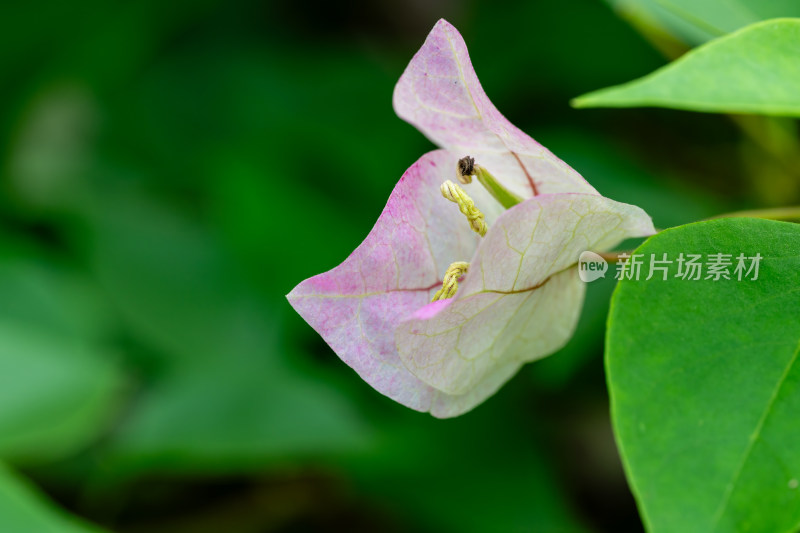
column 522, row 296
column 396, row 270
column 440, row 94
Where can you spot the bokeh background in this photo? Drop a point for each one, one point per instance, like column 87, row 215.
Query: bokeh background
column 170, row 170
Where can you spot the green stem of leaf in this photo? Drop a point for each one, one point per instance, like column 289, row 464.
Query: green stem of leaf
column 775, row 213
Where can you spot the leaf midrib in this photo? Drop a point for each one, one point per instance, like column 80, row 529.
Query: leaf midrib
column 754, row 437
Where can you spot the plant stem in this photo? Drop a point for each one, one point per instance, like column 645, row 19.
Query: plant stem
column 613, row 257
column 775, row 213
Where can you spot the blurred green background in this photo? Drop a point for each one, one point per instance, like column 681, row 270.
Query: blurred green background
column 170, row 170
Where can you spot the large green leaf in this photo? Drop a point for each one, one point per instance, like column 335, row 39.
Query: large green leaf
column 754, row 70
column 705, row 389
column 22, row 510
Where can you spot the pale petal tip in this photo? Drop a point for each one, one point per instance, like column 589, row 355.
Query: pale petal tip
column 295, row 300
column 442, row 24
column 646, row 227
column 293, row 294
column 442, row 29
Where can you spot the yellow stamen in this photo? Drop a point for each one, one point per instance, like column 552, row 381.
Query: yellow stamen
column 456, row 194
column 450, row 283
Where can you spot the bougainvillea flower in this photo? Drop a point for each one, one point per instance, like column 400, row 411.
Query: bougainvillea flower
column 521, row 295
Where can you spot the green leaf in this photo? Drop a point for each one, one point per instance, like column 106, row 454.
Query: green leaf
column 697, row 21
column 718, row 17
column 55, row 392
column 705, row 385
column 753, row 70
column 36, row 292
column 58, row 387
column 22, row 510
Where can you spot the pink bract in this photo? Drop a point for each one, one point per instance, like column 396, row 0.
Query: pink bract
column 521, row 298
